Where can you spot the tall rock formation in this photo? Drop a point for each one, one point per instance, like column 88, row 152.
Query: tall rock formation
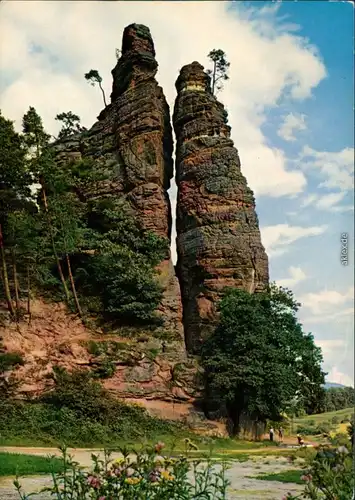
column 131, row 144
column 218, row 237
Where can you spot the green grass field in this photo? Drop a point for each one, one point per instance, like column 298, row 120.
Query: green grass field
column 323, row 417
column 288, row 476
column 16, row 463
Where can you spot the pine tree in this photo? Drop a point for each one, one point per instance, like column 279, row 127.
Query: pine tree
column 219, row 71
column 15, row 193
column 42, row 168
column 94, row 77
column 70, row 124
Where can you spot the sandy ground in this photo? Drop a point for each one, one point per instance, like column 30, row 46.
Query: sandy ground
column 243, row 487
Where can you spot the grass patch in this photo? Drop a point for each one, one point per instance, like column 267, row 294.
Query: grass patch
column 322, row 417
column 288, row 476
column 16, row 463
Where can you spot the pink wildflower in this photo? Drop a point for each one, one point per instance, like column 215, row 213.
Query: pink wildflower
column 94, row 482
column 154, row 476
column 118, row 471
column 307, row 478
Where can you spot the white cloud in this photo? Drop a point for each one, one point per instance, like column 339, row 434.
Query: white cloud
column 327, row 202
column 293, row 122
column 277, row 238
column 327, row 301
column 340, row 378
column 335, row 169
column 343, row 316
column 296, row 276
column 328, row 346
column 268, row 61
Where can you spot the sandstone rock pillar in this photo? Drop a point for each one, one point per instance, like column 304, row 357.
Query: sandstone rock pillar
column 132, row 145
column 218, row 237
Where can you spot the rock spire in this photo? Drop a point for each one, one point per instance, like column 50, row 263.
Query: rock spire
column 218, row 237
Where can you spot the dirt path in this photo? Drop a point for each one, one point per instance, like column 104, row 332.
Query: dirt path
column 243, row 485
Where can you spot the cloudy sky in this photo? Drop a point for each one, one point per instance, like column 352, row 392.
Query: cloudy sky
column 290, row 104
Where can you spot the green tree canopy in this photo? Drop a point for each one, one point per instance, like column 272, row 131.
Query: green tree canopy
column 15, row 178
column 70, row 124
column 259, row 359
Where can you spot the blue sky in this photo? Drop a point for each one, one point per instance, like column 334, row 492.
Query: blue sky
column 290, row 105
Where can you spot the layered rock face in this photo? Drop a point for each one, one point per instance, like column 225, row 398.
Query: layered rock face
column 218, row 237
column 131, row 144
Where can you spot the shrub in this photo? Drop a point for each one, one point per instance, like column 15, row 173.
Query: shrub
column 10, row 359
column 80, row 411
column 321, row 428
column 335, row 420
column 329, row 473
column 147, row 475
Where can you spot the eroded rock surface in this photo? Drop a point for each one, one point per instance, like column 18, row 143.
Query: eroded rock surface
column 139, row 370
column 218, row 237
column 131, row 144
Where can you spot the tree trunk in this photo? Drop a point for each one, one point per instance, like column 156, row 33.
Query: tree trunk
column 5, row 277
column 50, row 229
column 17, row 297
column 214, row 76
column 75, row 295
column 234, row 414
column 103, row 95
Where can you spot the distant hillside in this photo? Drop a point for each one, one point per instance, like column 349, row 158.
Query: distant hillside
column 328, row 385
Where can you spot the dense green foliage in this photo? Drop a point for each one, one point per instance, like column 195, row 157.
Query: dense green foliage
column 23, row 465
column 79, row 411
column 313, row 429
column 56, row 242
column 259, row 359
column 338, row 398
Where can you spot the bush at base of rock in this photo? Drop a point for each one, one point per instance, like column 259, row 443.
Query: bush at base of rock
column 79, row 411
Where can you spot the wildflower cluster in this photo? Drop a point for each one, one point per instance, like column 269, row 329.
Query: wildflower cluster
column 138, row 476
column 329, row 475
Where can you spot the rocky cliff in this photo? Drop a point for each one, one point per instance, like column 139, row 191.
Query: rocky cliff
column 218, row 237
column 131, row 145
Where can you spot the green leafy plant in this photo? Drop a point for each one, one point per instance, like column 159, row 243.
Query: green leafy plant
column 138, row 476
column 329, row 475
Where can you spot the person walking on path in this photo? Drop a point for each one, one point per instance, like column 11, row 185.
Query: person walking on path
column 281, row 435
column 271, row 434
